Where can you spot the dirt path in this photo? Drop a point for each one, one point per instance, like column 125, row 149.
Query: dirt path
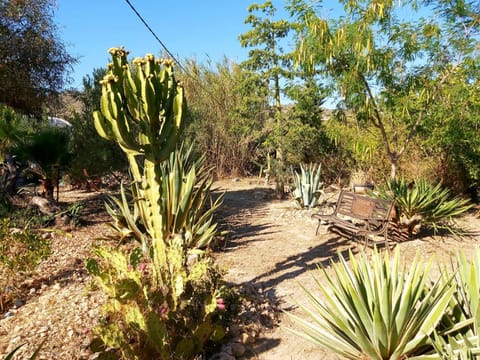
column 273, row 245
column 58, row 305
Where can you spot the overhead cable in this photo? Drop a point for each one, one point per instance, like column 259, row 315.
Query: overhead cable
column 154, row 35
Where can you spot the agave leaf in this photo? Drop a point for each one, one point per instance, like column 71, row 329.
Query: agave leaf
column 374, row 308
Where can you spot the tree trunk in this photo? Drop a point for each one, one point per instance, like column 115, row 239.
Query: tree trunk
column 393, row 168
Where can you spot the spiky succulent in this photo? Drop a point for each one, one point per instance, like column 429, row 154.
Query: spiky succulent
column 141, row 109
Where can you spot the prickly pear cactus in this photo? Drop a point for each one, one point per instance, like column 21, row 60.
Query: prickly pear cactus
column 141, row 109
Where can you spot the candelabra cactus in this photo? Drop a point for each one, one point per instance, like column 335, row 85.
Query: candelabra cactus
column 161, row 297
column 141, row 109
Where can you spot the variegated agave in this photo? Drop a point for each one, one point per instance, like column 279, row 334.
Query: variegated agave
column 458, row 336
column 374, row 309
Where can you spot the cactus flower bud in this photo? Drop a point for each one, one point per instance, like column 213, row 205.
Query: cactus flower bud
column 220, row 304
column 142, row 267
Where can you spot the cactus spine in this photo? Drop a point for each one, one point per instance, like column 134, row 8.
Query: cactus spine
column 141, row 109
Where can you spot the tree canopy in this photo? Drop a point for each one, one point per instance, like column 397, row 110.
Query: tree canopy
column 390, row 69
column 33, row 60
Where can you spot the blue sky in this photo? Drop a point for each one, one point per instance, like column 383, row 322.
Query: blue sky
column 200, row 29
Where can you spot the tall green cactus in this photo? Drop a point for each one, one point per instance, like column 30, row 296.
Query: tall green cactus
column 141, row 109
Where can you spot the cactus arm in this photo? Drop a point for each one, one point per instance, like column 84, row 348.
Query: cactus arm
column 102, row 126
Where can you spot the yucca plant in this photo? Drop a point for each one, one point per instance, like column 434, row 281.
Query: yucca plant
column 186, row 192
column 458, row 336
column 307, row 187
column 420, row 204
column 186, row 206
column 374, row 309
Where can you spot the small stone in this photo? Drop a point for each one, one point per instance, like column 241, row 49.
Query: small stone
column 18, row 329
column 8, row 314
column 223, row 356
column 18, row 303
column 56, row 286
column 247, row 339
column 47, row 235
column 238, row 349
column 32, row 291
column 16, row 339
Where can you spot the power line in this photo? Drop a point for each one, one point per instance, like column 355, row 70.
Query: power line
column 169, row 53
column 154, row 35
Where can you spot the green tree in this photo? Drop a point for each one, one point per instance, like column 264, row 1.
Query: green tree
column 267, row 57
column 48, row 150
column 92, row 91
column 33, row 61
column 390, row 70
column 305, row 140
column 13, row 129
column 451, row 133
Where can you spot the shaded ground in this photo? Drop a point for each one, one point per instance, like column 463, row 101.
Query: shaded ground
column 271, row 245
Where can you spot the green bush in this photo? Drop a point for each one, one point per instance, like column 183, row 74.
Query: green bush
column 106, row 158
column 20, row 251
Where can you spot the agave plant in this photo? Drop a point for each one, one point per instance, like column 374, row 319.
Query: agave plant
column 126, row 221
column 186, row 211
column 462, row 348
column 374, row 309
column 420, row 203
column 186, row 190
column 307, row 187
column 458, row 338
